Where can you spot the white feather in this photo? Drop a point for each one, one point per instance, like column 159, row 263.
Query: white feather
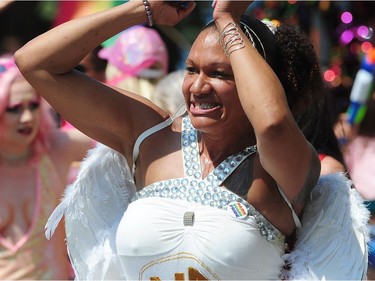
column 93, row 206
column 54, row 220
column 56, row 216
column 332, row 243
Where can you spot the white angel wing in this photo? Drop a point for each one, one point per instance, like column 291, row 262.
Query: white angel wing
column 332, row 243
column 93, row 206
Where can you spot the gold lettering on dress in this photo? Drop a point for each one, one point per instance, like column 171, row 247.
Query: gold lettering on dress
column 179, row 276
column 194, row 275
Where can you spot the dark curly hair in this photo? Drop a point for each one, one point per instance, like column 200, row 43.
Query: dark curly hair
column 299, row 72
column 298, row 68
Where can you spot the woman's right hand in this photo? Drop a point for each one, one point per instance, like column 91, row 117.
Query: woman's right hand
column 170, row 12
column 230, row 8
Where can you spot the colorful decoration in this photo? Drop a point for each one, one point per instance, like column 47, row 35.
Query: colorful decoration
column 362, row 89
column 67, row 10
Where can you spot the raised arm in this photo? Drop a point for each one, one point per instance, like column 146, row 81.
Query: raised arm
column 283, row 150
column 103, row 113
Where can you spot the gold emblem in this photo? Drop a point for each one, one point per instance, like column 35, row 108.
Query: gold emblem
column 193, row 275
column 195, row 269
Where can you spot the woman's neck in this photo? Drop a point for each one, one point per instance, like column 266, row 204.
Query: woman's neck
column 16, row 158
column 217, row 150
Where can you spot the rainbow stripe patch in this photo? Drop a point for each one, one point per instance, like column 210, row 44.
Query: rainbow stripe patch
column 237, row 210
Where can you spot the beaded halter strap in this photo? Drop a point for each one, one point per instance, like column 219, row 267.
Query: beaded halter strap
column 192, row 167
column 208, row 191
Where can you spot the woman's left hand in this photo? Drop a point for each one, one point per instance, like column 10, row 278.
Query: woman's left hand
column 170, row 12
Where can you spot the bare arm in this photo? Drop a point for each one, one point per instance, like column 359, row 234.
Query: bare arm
column 68, row 146
column 112, row 117
column 283, row 150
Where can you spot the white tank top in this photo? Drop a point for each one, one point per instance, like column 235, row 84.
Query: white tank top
column 192, row 228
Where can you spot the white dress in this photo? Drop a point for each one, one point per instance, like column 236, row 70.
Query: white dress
column 191, row 228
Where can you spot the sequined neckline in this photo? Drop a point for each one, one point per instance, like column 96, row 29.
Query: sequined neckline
column 191, row 158
column 208, row 191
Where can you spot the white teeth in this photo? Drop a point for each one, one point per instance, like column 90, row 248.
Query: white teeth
column 206, row 105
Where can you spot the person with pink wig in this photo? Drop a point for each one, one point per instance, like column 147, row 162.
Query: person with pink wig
column 35, row 157
column 137, row 60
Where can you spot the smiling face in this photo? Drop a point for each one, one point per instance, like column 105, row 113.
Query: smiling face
column 209, row 88
column 21, row 119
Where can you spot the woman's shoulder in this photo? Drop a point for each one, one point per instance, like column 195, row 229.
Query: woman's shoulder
column 331, row 165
